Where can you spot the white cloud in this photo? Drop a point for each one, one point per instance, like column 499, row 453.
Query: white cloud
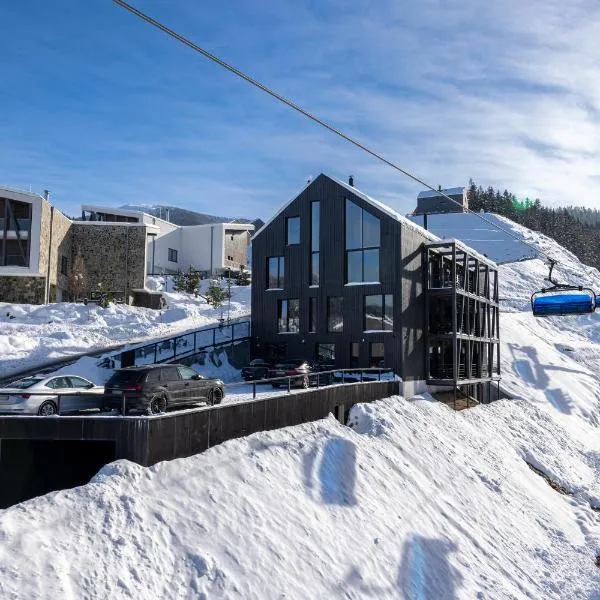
column 505, row 92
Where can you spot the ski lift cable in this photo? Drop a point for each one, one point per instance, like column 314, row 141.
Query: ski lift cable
column 316, row 119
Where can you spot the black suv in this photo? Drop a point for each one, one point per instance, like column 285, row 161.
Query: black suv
column 257, row 369
column 154, row 388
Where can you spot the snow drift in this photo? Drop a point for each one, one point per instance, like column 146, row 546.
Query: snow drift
column 411, row 501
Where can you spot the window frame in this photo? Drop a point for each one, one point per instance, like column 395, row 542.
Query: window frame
column 287, row 230
column 386, row 300
column 330, row 347
column 360, row 249
column 329, row 303
column 315, row 243
column 287, row 320
column 280, row 272
column 172, row 252
column 371, row 361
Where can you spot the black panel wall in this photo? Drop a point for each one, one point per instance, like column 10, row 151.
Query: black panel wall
column 400, row 250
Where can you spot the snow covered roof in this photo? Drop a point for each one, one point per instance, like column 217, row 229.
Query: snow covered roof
column 375, row 203
column 9, row 190
column 455, row 191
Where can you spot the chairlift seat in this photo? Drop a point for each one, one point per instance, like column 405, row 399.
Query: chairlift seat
column 573, row 302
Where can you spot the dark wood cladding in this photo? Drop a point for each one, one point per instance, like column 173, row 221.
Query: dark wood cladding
column 401, row 275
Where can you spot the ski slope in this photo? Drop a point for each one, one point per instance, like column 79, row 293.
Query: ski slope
column 412, row 501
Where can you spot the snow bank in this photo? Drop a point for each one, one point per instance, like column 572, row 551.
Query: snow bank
column 415, row 502
column 31, row 335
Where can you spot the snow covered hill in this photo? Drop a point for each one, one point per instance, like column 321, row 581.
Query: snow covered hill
column 412, row 501
column 31, row 335
column 415, row 501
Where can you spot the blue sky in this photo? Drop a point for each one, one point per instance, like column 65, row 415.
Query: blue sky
column 99, row 107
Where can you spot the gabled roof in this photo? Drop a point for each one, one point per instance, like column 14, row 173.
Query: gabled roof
column 375, row 203
column 456, row 191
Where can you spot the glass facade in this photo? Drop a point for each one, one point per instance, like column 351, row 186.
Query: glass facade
column 363, row 239
column 335, row 314
column 292, row 230
column 275, row 272
column 379, row 313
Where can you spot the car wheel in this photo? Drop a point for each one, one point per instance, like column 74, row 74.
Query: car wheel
column 47, row 409
column 215, row 396
column 158, row 405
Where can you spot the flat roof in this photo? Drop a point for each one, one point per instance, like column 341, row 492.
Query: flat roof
column 455, row 191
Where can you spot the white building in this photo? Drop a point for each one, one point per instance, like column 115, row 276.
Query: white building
column 211, row 248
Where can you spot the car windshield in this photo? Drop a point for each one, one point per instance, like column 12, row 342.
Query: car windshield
column 125, row 378
column 23, row 384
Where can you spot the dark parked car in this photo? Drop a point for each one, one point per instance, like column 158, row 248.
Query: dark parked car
column 299, row 367
column 154, row 388
column 322, row 366
column 257, row 369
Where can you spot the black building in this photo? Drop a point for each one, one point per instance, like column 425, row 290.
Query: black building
column 338, row 275
column 429, row 202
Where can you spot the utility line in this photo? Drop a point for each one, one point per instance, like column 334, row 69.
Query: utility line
column 312, row 117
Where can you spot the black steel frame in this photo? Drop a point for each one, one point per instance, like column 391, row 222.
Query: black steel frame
column 469, row 283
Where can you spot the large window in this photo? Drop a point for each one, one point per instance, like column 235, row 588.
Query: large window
column 15, row 220
column 312, row 314
column 289, row 316
column 275, row 272
column 363, row 238
column 292, row 225
column 172, row 255
column 379, row 313
column 335, row 316
column 315, row 210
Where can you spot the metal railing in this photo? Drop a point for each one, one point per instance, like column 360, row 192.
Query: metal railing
column 317, row 378
column 190, row 343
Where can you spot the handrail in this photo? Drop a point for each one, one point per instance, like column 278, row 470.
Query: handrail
column 289, row 378
column 313, row 374
column 117, row 348
column 154, row 349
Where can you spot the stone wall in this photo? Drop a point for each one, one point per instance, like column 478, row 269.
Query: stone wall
column 114, row 255
column 25, row 290
column 55, row 242
column 236, row 248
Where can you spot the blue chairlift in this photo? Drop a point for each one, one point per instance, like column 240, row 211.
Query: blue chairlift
column 562, row 299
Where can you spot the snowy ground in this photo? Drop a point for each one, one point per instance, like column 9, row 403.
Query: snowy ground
column 412, row 501
column 415, row 502
column 32, row 335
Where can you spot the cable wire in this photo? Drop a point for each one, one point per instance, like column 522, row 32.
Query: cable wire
column 313, row 118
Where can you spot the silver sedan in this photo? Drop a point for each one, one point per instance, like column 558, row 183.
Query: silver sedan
column 39, row 395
